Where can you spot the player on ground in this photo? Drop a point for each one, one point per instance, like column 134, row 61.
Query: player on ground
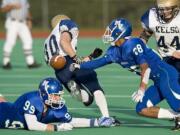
column 36, row 110
column 133, row 54
column 163, row 21
column 82, row 84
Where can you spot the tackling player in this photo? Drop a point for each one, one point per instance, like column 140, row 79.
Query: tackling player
column 133, row 54
column 163, row 21
column 36, row 110
column 82, row 84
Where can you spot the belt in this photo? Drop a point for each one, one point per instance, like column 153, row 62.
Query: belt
column 13, row 19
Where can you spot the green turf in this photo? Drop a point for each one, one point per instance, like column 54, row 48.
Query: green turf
column 117, row 83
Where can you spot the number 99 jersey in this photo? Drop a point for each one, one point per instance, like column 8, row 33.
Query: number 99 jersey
column 12, row 114
column 52, row 44
column 167, row 34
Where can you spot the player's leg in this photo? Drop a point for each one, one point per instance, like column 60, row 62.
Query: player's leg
column 148, row 106
column 27, row 41
column 175, row 63
column 76, row 90
column 11, row 35
column 89, row 79
column 170, row 87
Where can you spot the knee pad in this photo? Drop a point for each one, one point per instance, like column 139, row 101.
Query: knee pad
column 80, row 93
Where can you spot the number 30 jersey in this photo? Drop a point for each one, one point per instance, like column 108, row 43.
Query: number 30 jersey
column 12, row 114
column 167, row 34
column 52, row 44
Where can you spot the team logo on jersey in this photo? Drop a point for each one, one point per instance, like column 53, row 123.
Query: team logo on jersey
column 162, row 29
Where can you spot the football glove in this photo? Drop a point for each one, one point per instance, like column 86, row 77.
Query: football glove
column 138, row 95
column 106, row 121
column 77, row 59
column 74, row 66
column 64, row 127
column 96, row 53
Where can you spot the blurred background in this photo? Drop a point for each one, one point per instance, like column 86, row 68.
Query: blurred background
column 89, row 14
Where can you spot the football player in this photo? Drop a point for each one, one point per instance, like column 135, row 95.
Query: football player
column 82, row 84
column 37, row 110
column 163, row 21
column 133, row 54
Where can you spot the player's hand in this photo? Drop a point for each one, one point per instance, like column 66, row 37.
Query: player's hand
column 77, row 59
column 64, row 127
column 176, row 54
column 96, row 53
column 171, row 50
column 74, row 66
column 138, row 95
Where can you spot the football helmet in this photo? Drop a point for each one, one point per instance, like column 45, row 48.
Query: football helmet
column 167, row 10
column 51, row 92
column 57, row 19
column 118, row 29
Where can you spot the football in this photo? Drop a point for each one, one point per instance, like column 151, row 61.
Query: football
column 57, row 62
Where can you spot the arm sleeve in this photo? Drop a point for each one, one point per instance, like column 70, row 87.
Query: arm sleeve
column 84, row 122
column 145, row 21
column 33, row 124
column 97, row 63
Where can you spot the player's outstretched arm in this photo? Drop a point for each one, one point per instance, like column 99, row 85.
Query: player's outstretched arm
column 35, row 125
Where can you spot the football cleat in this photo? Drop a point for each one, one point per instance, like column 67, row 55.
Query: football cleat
column 177, row 124
column 7, row 66
column 34, row 65
column 106, row 121
column 116, row 121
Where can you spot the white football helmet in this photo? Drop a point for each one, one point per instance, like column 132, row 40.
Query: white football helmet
column 167, row 10
column 57, row 19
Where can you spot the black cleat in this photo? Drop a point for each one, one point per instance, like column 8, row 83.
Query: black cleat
column 7, row 66
column 177, row 124
column 116, row 121
column 34, row 65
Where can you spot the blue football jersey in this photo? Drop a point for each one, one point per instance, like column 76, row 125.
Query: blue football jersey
column 130, row 55
column 12, row 114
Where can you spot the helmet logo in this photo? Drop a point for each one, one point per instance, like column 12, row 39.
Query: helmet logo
column 119, row 25
column 45, row 84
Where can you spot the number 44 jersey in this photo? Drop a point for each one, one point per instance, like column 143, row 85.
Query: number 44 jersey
column 167, row 34
column 12, row 114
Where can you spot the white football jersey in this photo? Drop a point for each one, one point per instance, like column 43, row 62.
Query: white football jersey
column 52, row 44
column 167, row 34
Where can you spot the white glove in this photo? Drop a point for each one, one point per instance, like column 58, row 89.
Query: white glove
column 74, row 66
column 166, row 52
column 170, row 52
column 137, row 96
column 64, row 127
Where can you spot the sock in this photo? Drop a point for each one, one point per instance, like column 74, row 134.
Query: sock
column 101, row 103
column 166, row 114
column 84, row 96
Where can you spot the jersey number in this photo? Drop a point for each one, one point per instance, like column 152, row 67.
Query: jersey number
column 28, row 106
column 53, row 46
column 138, row 49
column 175, row 42
column 14, row 124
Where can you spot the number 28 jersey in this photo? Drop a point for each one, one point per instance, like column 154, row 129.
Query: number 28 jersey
column 52, row 44
column 167, row 34
column 12, row 114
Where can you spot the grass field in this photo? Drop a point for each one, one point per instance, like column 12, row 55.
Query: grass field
column 117, row 83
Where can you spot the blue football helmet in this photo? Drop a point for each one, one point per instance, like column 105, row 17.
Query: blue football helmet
column 48, row 88
column 118, row 29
